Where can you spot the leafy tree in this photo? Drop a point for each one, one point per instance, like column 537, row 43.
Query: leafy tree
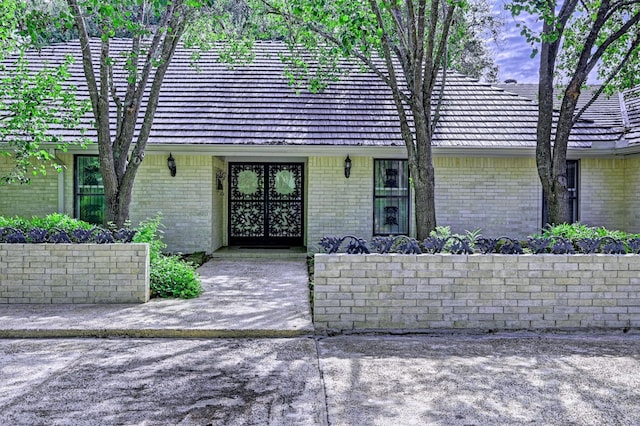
column 155, row 28
column 31, row 102
column 405, row 43
column 470, row 54
column 575, row 38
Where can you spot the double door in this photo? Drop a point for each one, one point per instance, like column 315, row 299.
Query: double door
column 266, row 204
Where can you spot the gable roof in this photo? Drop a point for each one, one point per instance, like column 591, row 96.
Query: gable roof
column 253, row 104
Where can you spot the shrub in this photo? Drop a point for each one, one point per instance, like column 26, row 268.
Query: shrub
column 577, row 231
column 149, row 232
column 59, row 228
column 49, row 222
column 173, row 277
column 170, row 276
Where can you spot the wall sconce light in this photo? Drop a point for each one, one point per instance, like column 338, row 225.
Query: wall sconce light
column 171, row 163
column 220, row 176
column 347, row 167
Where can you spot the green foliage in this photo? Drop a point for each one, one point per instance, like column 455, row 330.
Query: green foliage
column 591, row 34
column 170, row 276
column 32, row 102
column 470, row 54
column 49, row 222
column 444, row 232
column 149, row 232
column 577, row 231
column 173, row 277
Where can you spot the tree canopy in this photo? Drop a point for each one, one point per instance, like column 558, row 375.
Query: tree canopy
column 31, row 101
column 406, row 43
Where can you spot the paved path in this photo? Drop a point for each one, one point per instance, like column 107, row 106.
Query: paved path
column 242, row 297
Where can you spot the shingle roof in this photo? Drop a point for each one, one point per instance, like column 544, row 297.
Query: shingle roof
column 604, row 111
column 632, row 106
column 253, row 104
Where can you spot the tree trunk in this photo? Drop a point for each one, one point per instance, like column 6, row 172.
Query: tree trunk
column 120, row 158
column 421, row 168
column 558, row 202
column 424, row 188
column 551, row 161
column 116, row 208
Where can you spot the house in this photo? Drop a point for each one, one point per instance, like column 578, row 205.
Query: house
column 259, row 163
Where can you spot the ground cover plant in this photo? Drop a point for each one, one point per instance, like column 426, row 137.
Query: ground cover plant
column 170, row 275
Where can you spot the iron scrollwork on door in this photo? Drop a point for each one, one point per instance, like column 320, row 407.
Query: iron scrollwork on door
column 247, row 198
column 285, row 200
column 266, row 203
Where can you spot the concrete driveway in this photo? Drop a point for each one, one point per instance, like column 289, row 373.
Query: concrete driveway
column 345, row 380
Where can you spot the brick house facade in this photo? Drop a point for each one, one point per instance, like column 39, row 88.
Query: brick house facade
column 225, row 128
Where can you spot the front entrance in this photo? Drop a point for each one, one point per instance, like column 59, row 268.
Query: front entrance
column 266, row 204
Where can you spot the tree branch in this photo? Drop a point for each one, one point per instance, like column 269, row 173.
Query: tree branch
column 87, row 60
column 332, row 39
column 611, row 39
column 610, row 77
column 395, row 90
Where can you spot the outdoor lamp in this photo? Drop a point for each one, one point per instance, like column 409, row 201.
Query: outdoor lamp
column 171, row 163
column 347, row 167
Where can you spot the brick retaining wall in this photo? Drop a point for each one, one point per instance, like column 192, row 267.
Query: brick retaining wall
column 74, row 273
column 487, row 292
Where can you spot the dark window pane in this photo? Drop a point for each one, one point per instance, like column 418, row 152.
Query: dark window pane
column 89, row 190
column 391, row 197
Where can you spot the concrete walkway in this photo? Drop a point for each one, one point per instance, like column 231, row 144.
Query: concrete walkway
column 243, row 297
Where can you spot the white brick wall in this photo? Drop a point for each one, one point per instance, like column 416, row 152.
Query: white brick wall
column 506, row 292
column 336, row 205
column 602, row 192
column 218, row 211
column 632, row 194
column 38, row 198
column 185, row 201
column 74, row 273
column 502, row 196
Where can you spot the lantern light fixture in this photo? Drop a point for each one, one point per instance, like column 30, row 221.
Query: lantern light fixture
column 347, row 167
column 171, row 163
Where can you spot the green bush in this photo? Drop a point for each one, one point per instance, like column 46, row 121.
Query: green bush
column 149, row 232
column 577, row 231
column 170, row 276
column 55, row 220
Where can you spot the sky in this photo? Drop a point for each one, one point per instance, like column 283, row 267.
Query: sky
column 512, row 52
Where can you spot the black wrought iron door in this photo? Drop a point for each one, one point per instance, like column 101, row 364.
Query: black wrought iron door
column 266, row 204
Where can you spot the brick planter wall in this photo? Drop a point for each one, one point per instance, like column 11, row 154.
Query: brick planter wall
column 74, row 273
column 486, row 292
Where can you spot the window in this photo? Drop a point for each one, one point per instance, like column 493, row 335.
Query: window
column 390, row 197
column 88, row 197
column 572, row 187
